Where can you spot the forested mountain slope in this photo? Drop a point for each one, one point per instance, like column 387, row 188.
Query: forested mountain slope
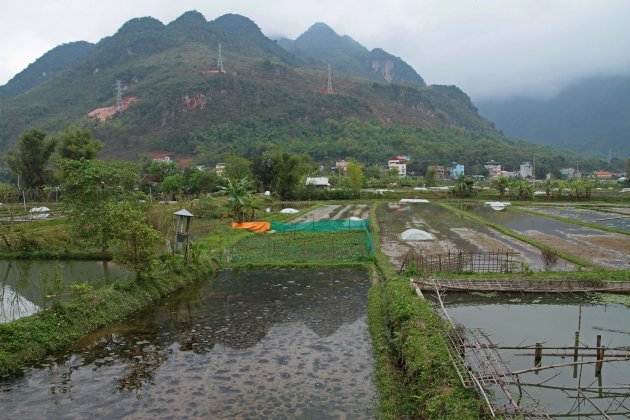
column 591, row 116
column 176, row 99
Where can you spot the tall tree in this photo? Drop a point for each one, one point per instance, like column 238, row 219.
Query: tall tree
column 31, row 157
column 237, row 167
column 75, row 144
column 138, row 243
column 91, row 187
column 355, row 176
column 280, row 171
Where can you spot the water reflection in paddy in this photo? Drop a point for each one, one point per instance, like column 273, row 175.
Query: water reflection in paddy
column 26, row 286
column 611, row 220
column 513, row 320
column 252, row 344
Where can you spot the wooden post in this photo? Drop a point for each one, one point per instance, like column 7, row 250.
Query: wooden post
column 538, row 356
column 575, row 353
column 600, row 356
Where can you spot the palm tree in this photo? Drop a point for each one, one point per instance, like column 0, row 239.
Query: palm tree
column 464, row 187
column 501, row 184
column 239, row 192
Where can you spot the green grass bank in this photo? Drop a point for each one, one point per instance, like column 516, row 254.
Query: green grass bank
column 413, row 371
column 27, row 340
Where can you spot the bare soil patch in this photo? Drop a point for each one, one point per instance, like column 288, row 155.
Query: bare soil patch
column 335, row 212
column 487, row 243
column 583, row 246
column 320, row 213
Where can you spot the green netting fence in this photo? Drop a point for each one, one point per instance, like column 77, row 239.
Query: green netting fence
column 321, row 226
column 335, row 240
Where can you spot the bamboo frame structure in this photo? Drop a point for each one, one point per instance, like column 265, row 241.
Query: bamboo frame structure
column 479, row 364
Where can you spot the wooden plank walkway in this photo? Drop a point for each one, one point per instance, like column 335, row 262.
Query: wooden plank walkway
column 523, row 285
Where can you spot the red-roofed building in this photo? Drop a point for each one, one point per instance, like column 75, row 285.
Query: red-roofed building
column 603, row 174
column 160, row 156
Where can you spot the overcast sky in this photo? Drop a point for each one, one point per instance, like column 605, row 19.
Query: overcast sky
column 489, row 48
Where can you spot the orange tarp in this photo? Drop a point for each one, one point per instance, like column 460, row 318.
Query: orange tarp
column 257, row 227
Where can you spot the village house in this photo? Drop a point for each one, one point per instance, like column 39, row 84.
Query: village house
column 494, row 169
column 570, row 173
column 399, row 163
column 160, row 157
column 603, row 175
column 527, row 170
column 318, row 182
column 457, row 170
column 440, row 172
column 341, row 166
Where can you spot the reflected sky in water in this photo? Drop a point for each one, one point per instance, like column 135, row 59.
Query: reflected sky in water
column 249, row 344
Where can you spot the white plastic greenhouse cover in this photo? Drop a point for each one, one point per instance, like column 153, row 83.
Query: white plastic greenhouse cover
column 416, row 235
column 289, row 210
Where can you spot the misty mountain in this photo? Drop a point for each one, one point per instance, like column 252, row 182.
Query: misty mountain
column 176, row 99
column 591, row 116
column 46, row 67
column 321, row 45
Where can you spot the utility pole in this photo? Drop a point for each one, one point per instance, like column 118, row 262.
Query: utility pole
column 609, row 156
column 534, row 171
column 329, row 88
column 118, row 96
column 220, row 61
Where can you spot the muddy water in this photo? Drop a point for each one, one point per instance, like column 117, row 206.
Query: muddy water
column 521, row 320
column 26, row 286
column 249, row 344
column 600, row 218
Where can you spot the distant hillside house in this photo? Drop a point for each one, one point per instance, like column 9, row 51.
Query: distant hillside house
column 398, row 163
column 570, row 173
column 440, row 172
column 494, row 169
column 160, row 157
column 603, row 174
column 527, row 170
column 341, row 166
column 318, row 182
column 457, row 170
column 220, row 169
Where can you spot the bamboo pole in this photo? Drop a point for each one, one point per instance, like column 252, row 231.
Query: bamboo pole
column 519, row 372
column 602, row 412
column 538, row 356
column 600, row 356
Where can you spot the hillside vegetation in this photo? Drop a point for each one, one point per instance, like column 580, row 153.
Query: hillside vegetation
column 177, row 101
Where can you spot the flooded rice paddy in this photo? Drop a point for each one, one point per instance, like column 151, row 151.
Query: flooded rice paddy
column 26, row 286
column 600, row 218
column 610, row 250
column 249, row 344
column 452, row 232
column 518, row 320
